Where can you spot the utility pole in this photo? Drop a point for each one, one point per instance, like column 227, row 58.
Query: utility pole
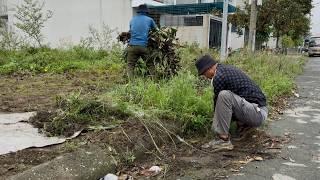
column 253, row 25
column 223, row 51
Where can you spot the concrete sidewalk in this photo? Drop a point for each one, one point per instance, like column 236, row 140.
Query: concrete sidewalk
column 300, row 158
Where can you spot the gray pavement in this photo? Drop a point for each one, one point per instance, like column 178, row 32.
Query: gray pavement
column 300, row 159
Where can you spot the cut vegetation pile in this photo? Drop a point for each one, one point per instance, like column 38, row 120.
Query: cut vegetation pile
column 163, row 50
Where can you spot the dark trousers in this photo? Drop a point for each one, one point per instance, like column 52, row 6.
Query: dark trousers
column 134, row 53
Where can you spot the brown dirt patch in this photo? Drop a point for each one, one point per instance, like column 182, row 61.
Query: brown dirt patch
column 194, row 163
column 39, row 92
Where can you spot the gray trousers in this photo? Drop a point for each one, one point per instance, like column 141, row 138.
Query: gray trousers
column 230, row 105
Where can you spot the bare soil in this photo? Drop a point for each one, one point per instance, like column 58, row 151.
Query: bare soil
column 186, row 162
column 24, row 93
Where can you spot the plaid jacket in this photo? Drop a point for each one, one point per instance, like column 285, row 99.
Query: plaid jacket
column 233, row 79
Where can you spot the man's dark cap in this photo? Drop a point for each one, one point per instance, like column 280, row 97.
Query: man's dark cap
column 143, row 9
column 204, row 63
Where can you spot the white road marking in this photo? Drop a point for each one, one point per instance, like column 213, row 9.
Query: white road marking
column 294, row 164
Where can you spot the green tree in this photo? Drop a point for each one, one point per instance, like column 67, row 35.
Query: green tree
column 279, row 17
column 31, row 19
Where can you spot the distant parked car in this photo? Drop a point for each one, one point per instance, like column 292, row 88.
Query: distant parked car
column 314, row 46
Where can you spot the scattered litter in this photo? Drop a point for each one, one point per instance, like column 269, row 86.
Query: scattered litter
column 110, row 177
column 294, row 164
column 296, row 94
column 249, row 159
column 153, row 171
column 292, row 147
column 234, row 170
column 317, row 144
column 258, row 158
column 318, row 137
column 282, row 177
column 286, row 133
column 300, row 133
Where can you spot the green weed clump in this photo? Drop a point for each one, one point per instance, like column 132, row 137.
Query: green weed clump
column 274, row 74
column 179, row 99
column 46, row 60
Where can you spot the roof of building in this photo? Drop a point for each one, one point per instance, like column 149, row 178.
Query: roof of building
column 136, row 3
column 184, row 9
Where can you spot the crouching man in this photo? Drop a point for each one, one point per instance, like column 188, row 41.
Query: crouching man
column 235, row 96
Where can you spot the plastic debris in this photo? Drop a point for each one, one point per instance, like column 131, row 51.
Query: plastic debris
column 155, row 169
column 110, row 177
column 258, row 158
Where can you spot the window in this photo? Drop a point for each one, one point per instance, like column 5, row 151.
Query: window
column 193, row 21
column 234, row 28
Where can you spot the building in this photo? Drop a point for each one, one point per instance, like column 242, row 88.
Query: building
column 196, row 22
column 70, row 23
column 71, row 18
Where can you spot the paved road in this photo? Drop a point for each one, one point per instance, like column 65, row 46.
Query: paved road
column 302, row 121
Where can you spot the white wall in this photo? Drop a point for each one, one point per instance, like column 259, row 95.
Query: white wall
column 272, row 43
column 193, row 34
column 236, row 41
column 71, row 18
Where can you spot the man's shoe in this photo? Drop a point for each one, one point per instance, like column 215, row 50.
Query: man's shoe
column 218, row 145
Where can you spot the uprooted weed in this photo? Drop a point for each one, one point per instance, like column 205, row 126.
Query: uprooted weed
column 77, row 112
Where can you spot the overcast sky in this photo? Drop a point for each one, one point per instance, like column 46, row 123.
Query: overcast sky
column 315, row 19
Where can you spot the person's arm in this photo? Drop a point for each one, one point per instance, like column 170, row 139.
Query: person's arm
column 130, row 26
column 219, row 85
column 153, row 24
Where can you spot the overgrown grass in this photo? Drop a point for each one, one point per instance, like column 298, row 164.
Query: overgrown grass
column 184, row 99
column 179, row 99
column 274, row 74
column 45, row 60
